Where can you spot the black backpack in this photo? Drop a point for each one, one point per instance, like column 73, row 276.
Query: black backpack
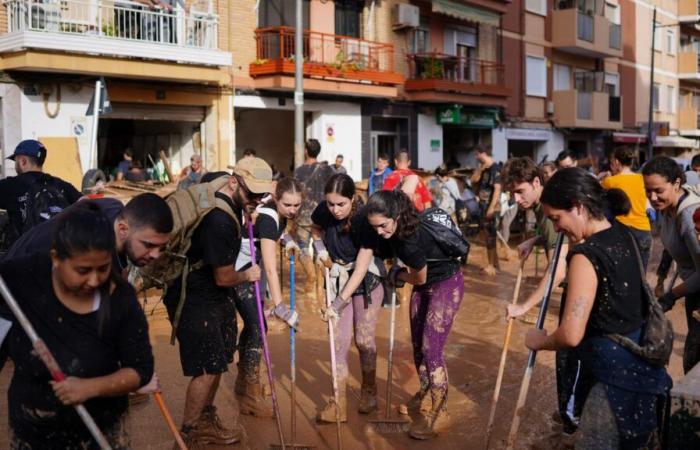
column 446, row 233
column 44, row 200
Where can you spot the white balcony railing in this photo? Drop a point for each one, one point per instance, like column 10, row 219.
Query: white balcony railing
column 120, row 20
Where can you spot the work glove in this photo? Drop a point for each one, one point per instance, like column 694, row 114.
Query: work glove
column 336, row 309
column 393, row 276
column 667, row 301
column 283, row 312
column 322, row 256
column 290, row 245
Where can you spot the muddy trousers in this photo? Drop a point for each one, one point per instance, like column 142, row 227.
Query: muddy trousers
column 433, row 308
column 250, row 344
column 364, row 322
column 691, row 352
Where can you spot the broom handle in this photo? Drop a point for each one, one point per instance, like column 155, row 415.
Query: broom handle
column 334, row 373
column 263, row 334
column 50, row 363
column 522, row 396
column 392, row 327
column 293, row 352
column 504, row 353
column 169, row 420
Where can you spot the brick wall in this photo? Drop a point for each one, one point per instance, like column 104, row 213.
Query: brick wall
column 244, row 20
column 386, row 34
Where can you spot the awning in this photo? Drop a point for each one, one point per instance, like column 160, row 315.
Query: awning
column 142, row 111
column 465, row 12
column 629, row 138
column 675, row 141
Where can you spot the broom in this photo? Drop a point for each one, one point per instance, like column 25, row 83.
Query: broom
column 334, row 374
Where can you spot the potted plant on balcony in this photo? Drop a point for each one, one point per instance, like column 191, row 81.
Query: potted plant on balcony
column 433, row 68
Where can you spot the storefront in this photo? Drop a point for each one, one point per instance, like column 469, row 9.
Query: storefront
column 465, row 127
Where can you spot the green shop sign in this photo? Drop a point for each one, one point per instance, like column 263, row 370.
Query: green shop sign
column 467, row 118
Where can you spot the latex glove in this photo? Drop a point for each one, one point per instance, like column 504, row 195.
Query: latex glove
column 393, row 276
column 283, row 312
column 336, row 309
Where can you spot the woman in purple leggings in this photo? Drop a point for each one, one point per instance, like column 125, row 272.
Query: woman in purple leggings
column 438, row 290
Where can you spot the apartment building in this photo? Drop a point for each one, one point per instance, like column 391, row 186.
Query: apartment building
column 378, row 76
column 167, row 72
column 689, row 72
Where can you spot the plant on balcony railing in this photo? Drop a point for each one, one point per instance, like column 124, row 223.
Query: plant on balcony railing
column 433, row 68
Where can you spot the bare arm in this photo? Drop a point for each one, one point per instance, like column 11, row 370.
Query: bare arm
column 268, row 248
column 75, row 390
column 415, row 277
column 495, row 198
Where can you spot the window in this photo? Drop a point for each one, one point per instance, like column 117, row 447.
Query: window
column 348, row 15
column 419, row 38
column 671, row 42
column 536, row 6
column 612, row 13
column 655, row 96
column 657, row 37
column 276, row 13
column 536, row 76
column 562, row 77
column 612, row 84
column 670, row 99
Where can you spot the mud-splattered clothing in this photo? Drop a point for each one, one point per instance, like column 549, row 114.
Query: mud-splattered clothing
column 433, row 308
column 250, row 344
column 314, row 178
column 96, row 344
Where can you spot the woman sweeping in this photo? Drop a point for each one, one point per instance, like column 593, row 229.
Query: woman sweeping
column 91, row 321
column 338, row 227
column 605, row 295
column 676, row 203
column 437, row 294
column 270, row 223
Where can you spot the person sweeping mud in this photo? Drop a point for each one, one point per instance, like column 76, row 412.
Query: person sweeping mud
column 438, row 291
column 605, row 296
column 664, row 183
column 338, row 227
column 270, row 223
column 91, row 321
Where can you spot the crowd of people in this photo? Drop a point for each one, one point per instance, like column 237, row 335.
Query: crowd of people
column 70, row 262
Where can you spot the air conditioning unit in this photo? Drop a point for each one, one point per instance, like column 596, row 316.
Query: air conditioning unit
column 550, row 107
column 405, row 16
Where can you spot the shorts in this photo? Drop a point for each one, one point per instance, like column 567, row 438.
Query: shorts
column 207, row 336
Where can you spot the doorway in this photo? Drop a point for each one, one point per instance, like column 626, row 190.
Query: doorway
column 383, row 143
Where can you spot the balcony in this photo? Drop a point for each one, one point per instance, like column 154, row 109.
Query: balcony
column 437, row 77
column 688, row 11
column 689, row 65
column 689, row 122
column 120, row 29
column 585, row 33
column 358, row 64
column 588, row 105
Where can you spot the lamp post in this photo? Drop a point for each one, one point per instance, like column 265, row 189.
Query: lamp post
column 299, row 86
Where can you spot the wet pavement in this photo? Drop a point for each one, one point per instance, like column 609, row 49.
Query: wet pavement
column 472, row 354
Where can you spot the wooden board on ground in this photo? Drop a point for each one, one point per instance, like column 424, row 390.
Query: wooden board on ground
column 63, row 159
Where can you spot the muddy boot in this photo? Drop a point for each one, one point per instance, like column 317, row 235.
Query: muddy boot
column 208, row 430
column 419, row 403
column 253, row 403
column 327, row 413
column 368, row 394
column 432, row 422
column 210, row 417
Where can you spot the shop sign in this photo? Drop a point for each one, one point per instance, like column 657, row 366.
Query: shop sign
column 528, row 134
column 435, row 145
column 468, row 118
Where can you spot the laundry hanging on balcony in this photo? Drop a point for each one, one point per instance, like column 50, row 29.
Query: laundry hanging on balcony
column 465, row 12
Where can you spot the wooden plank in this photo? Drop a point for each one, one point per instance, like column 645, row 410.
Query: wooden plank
column 63, row 159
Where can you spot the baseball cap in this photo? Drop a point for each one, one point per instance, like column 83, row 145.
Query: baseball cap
column 30, row 147
column 256, row 174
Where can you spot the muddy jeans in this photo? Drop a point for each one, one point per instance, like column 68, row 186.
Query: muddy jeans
column 598, row 430
column 364, row 322
column 433, row 308
column 250, row 344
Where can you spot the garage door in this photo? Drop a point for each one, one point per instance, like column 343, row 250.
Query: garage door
column 137, row 111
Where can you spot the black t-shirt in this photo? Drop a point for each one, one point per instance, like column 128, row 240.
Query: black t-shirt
column 618, row 305
column 38, row 240
column 216, row 243
column 489, row 178
column 14, row 190
column 80, row 348
column 342, row 246
column 266, row 227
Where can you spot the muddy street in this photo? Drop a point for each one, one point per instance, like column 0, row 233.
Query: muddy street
column 472, row 354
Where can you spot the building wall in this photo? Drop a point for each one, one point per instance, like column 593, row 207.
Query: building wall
column 244, row 20
column 429, row 130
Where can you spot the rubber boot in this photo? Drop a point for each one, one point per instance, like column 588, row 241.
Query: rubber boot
column 368, row 393
column 327, row 413
column 434, row 421
column 421, row 403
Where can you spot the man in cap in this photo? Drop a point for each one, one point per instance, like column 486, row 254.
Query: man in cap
column 207, row 327
column 32, row 196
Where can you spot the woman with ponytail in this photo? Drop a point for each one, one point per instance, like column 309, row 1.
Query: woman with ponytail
column 270, row 223
column 605, row 295
column 437, row 294
column 356, row 282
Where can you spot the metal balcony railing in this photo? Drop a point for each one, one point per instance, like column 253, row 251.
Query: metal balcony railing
column 439, row 66
column 121, row 20
column 343, row 53
column 615, row 36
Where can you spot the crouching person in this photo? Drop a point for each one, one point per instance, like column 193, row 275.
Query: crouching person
column 91, row 321
column 206, row 328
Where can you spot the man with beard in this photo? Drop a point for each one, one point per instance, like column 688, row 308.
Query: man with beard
column 206, row 330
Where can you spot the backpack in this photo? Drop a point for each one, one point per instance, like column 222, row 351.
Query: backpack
column 446, row 233
column 656, row 342
column 189, row 207
column 44, row 200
